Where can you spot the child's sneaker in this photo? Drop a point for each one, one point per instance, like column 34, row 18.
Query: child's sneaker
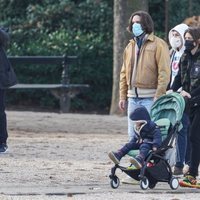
column 137, row 162
column 189, row 181
column 115, row 157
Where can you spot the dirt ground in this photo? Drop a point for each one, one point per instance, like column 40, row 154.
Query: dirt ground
column 64, row 156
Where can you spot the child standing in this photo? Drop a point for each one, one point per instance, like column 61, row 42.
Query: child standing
column 147, row 137
column 177, row 41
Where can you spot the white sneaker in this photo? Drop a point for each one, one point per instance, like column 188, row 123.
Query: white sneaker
column 186, row 169
column 129, row 180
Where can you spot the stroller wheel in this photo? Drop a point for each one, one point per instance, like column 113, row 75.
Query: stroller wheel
column 174, row 183
column 114, row 182
column 144, row 183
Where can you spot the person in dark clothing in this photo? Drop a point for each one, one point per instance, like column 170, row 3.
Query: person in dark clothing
column 189, row 79
column 4, row 39
column 147, row 137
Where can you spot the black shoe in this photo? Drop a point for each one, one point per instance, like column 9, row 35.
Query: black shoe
column 178, row 171
column 3, row 147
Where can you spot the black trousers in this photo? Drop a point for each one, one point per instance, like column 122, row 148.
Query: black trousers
column 195, row 140
column 3, row 120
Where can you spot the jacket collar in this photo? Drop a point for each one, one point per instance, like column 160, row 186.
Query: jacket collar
column 149, row 37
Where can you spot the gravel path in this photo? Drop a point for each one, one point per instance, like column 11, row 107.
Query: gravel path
column 64, row 156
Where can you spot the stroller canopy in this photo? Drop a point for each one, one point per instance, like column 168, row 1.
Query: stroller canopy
column 170, row 106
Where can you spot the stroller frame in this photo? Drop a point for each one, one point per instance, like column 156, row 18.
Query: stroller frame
column 148, row 175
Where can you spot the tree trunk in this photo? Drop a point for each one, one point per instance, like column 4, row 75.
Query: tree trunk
column 122, row 12
column 190, row 8
column 166, row 19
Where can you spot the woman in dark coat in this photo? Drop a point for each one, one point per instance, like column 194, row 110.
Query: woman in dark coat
column 189, row 78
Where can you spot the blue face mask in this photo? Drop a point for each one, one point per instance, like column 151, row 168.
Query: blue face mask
column 137, row 29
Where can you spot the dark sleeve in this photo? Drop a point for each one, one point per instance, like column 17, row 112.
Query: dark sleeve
column 177, row 81
column 172, row 53
column 4, row 37
column 195, row 92
column 157, row 139
column 168, row 87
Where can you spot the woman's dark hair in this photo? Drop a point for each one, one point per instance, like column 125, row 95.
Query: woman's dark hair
column 194, row 32
column 145, row 21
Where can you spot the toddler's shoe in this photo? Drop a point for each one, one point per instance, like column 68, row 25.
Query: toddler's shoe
column 189, row 181
column 137, row 162
column 115, row 157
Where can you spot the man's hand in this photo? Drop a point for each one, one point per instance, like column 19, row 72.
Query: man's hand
column 122, row 105
column 154, row 99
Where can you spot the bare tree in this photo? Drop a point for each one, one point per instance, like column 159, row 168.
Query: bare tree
column 122, row 11
column 166, row 18
column 190, row 8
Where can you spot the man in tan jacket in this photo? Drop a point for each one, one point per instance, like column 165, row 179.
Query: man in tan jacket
column 145, row 72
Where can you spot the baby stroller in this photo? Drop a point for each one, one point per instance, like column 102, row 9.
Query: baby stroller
column 166, row 112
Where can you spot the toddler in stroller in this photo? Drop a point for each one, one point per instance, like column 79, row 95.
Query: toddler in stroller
column 147, row 137
column 152, row 166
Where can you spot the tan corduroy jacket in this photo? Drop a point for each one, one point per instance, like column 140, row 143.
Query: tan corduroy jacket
column 153, row 67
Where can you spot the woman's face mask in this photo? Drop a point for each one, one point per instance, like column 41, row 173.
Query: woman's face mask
column 137, row 29
column 175, row 42
column 189, row 45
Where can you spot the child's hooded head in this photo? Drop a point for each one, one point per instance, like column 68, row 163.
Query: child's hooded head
column 140, row 114
column 140, row 117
